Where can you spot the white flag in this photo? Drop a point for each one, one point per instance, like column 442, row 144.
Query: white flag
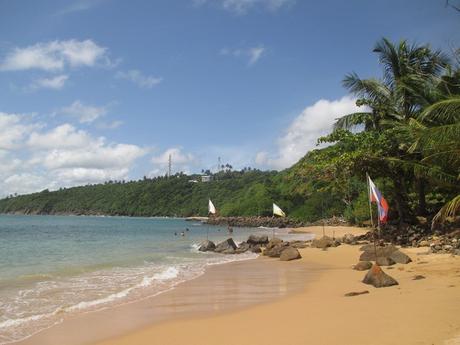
column 277, row 211
column 211, row 207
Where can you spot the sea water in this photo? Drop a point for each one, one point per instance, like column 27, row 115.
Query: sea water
column 54, row 266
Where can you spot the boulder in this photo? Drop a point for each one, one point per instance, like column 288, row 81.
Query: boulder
column 418, row 277
column 273, row 242
column 362, row 266
column 376, row 277
column 242, row 248
column 276, row 251
column 384, row 261
column 255, row 249
column 207, row 246
column 290, row 253
column 348, row 239
column 229, row 251
column 369, row 252
column 254, row 239
column 323, row 243
column 225, row 245
column 400, row 258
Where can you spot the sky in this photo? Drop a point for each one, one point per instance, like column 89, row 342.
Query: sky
column 102, row 90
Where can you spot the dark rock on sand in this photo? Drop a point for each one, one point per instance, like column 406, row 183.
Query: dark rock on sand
column 242, row 248
column 207, row 246
column 351, row 294
column 376, row 277
column 369, row 252
column 254, row 239
column 299, row 244
column 290, row 253
column 418, row 277
column 323, row 243
column 399, row 257
column 348, row 239
column 384, row 261
column 255, row 249
column 362, row 266
column 273, row 242
column 275, row 252
column 225, row 246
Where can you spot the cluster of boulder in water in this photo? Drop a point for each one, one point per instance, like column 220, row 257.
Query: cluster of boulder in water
column 275, row 247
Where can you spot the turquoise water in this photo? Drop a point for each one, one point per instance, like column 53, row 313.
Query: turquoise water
column 53, row 266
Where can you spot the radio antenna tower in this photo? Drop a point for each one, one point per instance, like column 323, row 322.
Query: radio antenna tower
column 169, row 166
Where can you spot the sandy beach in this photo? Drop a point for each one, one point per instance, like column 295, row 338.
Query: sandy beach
column 415, row 312
column 266, row 301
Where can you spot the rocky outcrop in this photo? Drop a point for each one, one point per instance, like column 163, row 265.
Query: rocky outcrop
column 255, row 222
column 276, row 250
column 362, row 266
column 207, row 246
column 400, row 258
column 324, row 242
column 290, row 253
column 226, row 247
column 260, row 240
column 351, row 294
column 348, row 239
column 243, row 247
column 377, row 278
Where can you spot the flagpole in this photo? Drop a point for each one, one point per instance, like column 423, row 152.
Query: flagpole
column 370, row 211
column 369, row 197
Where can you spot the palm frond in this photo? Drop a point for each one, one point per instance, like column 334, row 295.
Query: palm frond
column 352, row 120
column 443, row 112
column 450, row 209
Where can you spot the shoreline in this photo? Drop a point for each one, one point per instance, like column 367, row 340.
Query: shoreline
column 299, row 293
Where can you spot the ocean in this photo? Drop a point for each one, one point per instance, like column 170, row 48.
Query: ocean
column 54, row 266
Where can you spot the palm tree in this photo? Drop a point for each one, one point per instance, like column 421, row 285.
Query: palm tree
column 409, row 71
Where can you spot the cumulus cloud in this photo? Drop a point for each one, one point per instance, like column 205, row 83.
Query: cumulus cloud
column 55, row 56
column 136, row 77
column 84, row 113
column 181, row 161
column 244, row 6
column 33, row 158
column 55, row 83
column 301, row 135
column 251, row 54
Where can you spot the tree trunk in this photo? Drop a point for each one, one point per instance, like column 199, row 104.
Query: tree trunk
column 421, row 183
column 401, row 198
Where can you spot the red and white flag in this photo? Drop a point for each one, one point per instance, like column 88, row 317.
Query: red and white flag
column 377, row 197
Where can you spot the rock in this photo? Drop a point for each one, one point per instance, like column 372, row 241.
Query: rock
column 323, row 242
column 255, row 249
column 290, row 253
column 369, row 252
column 229, row 251
column 225, row 245
column 275, row 252
column 418, row 277
column 362, row 266
column 207, row 246
column 351, row 294
column 254, row 239
column 384, row 261
column 273, row 242
column 348, row 239
column 400, row 258
column 242, row 248
column 447, row 247
column 424, row 243
column 376, row 277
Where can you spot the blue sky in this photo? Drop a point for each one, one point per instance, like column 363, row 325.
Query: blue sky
column 105, row 89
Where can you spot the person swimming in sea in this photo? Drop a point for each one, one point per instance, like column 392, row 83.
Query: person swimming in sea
column 182, row 233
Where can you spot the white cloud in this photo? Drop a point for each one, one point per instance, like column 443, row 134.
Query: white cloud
column 55, row 56
column 84, row 113
column 33, row 159
column 301, row 135
column 243, row 6
column 55, row 83
column 252, row 54
column 181, row 161
column 13, row 131
column 139, row 79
